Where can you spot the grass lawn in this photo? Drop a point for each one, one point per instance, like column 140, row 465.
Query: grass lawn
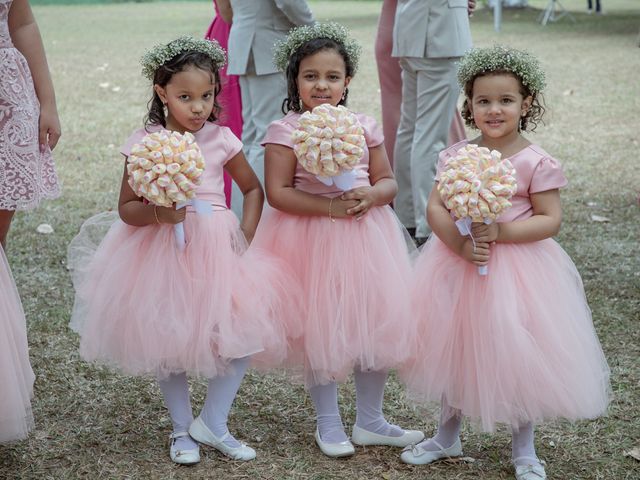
column 92, row 423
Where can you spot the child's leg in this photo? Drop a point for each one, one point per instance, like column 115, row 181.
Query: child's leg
column 448, row 429
column 325, row 399
column 175, row 390
column 5, row 223
column 523, row 453
column 220, row 395
column 369, row 396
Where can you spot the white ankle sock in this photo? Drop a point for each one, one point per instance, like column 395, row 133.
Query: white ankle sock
column 523, row 451
column 448, row 430
column 325, row 399
column 369, row 396
column 220, row 395
column 175, row 391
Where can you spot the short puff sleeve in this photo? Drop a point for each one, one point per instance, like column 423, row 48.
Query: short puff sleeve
column 372, row 131
column 232, row 144
column 134, row 138
column 548, row 175
column 278, row 132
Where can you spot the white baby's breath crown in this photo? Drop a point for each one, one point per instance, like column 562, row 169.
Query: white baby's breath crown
column 500, row 58
column 162, row 53
column 298, row 36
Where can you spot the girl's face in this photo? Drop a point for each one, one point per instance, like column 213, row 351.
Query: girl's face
column 497, row 105
column 322, row 79
column 189, row 97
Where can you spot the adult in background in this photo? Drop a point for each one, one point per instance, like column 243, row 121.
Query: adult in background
column 229, row 97
column 257, row 26
column 390, row 76
column 429, row 37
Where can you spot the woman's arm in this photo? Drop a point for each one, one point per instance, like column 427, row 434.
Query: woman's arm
column 25, row 35
column 226, row 12
column 280, row 166
column 545, row 222
column 249, row 185
column 138, row 214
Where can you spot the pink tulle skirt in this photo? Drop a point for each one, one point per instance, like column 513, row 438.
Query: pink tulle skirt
column 517, row 345
column 16, row 376
column 355, row 279
column 143, row 306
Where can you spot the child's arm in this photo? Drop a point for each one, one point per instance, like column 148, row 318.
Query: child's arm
column 384, row 187
column 226, row 12
column 280, row 166
column 445, row 228
column 25, row 35
column 133, row 212
column 545, row 222
column 249, row 185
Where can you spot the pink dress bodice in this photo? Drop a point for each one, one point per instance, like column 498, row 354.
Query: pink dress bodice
column 536, row 171
column 279, row 132
column 218, row 145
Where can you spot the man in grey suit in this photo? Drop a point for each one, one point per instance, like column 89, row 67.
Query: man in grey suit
column 257, row 25
column 429, row 37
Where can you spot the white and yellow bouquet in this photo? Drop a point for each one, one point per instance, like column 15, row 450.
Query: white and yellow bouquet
column 329, row 142
column 165, row 168
column 476, row 186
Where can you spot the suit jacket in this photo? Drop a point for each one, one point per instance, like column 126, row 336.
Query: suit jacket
column 257, row 25
column 431, row 29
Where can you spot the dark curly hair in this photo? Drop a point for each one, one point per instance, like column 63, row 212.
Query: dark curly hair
column 292, row 102
column 163, row 76
column 527, row 123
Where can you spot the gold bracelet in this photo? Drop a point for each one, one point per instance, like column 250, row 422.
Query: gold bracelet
column 155, row 213
column 330, row 215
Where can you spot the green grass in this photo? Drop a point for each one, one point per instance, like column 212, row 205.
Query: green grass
column 92, row 423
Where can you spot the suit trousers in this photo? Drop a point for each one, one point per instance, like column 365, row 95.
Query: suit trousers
column 262, row 97
column 429, row 96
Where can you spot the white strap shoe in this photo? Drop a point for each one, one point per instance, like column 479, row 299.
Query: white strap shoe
column 182, row 457
column 532, row 470
column 201, row 433
column 363, row 437
column 335, row 450
column 416, row 455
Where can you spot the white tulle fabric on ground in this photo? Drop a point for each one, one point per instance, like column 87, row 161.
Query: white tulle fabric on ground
column 16, row 376
column 515, row 346
column 146, row 307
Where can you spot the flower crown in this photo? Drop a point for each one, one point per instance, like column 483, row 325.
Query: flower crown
column 522, row 64
column 298, row 36
column 162, row 53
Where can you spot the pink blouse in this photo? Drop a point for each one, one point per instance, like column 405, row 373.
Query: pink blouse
column 536, row 171
column 218, row 145
column 279, row 132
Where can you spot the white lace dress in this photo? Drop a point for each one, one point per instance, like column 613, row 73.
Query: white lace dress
column 26, row 174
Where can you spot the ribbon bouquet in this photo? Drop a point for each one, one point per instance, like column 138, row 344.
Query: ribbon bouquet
column 476, row 186
column 165, row 168
column 328, row 142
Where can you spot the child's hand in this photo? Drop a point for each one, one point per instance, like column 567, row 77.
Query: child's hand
column 364, row 198
column 478, row 255
column 49, row 127
column 340, row 208
column 170, row 215
column 485, row 233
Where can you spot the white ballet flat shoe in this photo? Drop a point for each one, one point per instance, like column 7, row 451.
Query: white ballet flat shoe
column 416, row 455
column 530, row 471
column 201, row 433
column 182, row 457
column 363, row 437
column 335, row 450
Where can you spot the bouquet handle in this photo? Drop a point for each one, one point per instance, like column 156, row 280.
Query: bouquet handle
column 201, row 208
column 464, row 227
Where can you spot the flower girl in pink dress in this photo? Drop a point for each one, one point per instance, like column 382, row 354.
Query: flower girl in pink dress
column 347, row 249
column 145, row 306
column 516, row 346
